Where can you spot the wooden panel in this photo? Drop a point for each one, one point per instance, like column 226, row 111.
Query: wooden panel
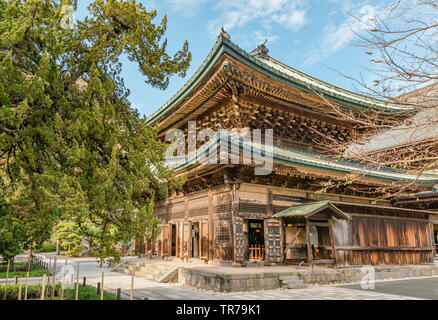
column 382, row 240
column 238, row 239
column 204, row 239
column 198, row 207
column 223, row 245
column 273, row 241
column 187, row 239
column 165, row 240
column 177, row 210
column 260, row 198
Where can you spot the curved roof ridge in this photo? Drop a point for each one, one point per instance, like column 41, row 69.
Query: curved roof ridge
column 280, row 71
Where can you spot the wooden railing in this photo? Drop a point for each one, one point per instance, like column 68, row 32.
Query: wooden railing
column 257, row 253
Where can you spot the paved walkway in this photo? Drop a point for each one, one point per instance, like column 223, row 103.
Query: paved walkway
column 425, row 288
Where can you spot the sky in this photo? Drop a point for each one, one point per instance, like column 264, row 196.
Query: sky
column 313, row 36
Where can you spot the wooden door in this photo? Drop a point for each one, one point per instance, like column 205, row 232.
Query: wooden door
column 165, row 241
column 273, row 241
column 238, row 240
column 187, row 239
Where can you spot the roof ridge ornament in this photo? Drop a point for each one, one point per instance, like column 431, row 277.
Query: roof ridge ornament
column 261, row 50
column 224, row 33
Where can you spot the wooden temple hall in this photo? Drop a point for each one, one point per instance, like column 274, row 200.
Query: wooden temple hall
column 227, row 214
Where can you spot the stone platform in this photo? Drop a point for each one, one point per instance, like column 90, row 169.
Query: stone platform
column 228, row 279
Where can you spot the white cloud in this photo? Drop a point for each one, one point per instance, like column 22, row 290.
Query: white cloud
column 293, row 20
column 259, row 37
column 186, row 7
column 238, row 13
column 335, row 37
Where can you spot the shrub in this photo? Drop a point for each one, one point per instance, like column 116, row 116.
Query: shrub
column 47, row 247
column 75, row 252
column 33, row 291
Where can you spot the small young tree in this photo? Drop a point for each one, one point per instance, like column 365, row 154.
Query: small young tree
column 70, row 236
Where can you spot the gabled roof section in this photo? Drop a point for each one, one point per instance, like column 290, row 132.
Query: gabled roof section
column 275, row 70
column 309, row 209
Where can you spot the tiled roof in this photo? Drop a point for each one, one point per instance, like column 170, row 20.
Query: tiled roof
column 301, row 158
column 276, row 70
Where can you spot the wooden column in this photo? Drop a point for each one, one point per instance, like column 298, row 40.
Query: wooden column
column 432, row 236
column 188, row 254
column 309, row 246
column 181, row 247
column 199, row 239
column 177, row 239
column 332, row 244
column 210, row 225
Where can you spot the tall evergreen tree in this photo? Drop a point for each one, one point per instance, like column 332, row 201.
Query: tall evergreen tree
column 69, row 138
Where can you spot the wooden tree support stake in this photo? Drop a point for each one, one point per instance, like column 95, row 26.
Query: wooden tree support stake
column 6, row 283
column 43, row 288
column 101, row 292
column 132, row 286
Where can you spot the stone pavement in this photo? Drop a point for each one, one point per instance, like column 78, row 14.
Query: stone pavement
column 394, row 290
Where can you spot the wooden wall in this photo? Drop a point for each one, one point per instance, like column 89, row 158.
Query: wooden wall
column 381, row 240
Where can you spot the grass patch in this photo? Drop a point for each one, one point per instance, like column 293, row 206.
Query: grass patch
column 34, row 293
column 36, row 271
column 88, row 293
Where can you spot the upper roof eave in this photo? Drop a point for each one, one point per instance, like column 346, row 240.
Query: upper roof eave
column 286, row 75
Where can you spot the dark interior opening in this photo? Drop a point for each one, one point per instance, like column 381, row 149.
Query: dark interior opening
column 195, row 240
column 173, row 240
column 255, row 233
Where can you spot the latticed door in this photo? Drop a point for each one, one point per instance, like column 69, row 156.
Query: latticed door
column 238, row 240
column 273, row 241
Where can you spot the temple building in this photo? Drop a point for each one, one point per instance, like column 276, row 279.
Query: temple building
column 253, row 172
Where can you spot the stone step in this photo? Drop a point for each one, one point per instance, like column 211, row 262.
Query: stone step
column 283, row 278
column 296, row 286
column 152, row 266
column 143, row 274
column 292, row 282
column 147, row 275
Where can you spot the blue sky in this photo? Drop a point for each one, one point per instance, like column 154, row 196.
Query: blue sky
column 313, row 36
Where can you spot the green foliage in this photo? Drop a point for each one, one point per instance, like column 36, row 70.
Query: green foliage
column 69, row 236
column 47, row 247
column 13, row 238
column 35, row 271
column 33, row 291
column 71, row 145
column 88, row 293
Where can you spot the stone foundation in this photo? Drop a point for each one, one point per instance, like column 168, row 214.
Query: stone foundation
column 220, row 281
